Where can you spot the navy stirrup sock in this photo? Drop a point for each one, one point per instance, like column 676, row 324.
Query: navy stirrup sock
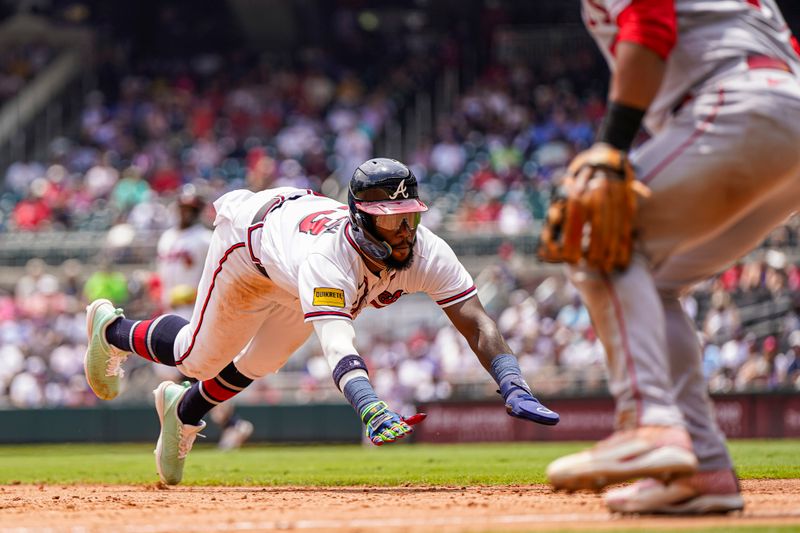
column 150, row 339
column 204, row 395
column 118, row 333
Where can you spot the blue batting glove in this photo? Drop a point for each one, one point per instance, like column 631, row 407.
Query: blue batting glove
column 383, row 425
column 521, row 403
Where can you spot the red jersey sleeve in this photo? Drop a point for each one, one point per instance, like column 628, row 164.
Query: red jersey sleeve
column 650, row 23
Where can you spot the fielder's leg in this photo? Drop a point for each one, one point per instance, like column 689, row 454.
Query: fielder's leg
column 713, row 202
column 721, row 156
column 650, row 439
column 714, row 488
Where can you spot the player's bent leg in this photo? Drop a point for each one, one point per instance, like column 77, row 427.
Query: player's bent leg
column 686, row 269
column 103, row 362
column 663, row 452
column 700, row 189
column 231, row 307
column 707, row 492
column 691, row 389
column 203, row 396
column 280, row 335
column 627, row 315
column 175, row 439
column 651, row 439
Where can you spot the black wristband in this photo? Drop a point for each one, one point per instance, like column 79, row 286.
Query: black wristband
column 620, row 126
column 348, row 363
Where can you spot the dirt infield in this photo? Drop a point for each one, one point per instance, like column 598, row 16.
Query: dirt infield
column 519, row 508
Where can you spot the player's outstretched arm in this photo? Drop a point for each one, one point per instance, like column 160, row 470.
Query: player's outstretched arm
column 470, row 319
column 381, row 424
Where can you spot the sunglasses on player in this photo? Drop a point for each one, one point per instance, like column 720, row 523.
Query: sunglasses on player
column 395, row 221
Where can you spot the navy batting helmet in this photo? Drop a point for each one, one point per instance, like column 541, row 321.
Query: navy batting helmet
column 381, row 188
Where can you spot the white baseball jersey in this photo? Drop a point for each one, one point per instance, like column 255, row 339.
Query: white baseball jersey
column 309, row 251
column 315, row 272
column 712, row 37
column 181, row 257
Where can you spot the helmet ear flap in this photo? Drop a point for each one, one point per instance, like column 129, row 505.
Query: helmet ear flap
column 370, row 245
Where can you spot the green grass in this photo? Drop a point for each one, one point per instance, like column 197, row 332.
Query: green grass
column 466, row 464
column 712, row 529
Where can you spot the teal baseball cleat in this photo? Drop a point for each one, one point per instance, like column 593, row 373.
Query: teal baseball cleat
column 102, row 362
column 176, row 438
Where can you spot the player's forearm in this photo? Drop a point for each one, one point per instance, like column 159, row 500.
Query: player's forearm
column 337, row 338
column 480, row 331
column 637, row 77
column 349, row 371
column 487, row 343
column 634, row 84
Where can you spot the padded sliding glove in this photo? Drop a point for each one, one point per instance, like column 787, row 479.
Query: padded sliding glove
column 521, row 403
column 383, row 425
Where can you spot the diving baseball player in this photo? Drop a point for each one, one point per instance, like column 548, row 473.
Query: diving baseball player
column 182, row 253
column 284, row 262
column 716, row 84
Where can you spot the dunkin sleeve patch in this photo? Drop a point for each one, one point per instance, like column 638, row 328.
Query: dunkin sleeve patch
column 328, row 297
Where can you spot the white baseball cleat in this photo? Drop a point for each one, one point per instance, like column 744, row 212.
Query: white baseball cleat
column 176, row 438
column 703, row 493
column 102, row 363
column 661, row 452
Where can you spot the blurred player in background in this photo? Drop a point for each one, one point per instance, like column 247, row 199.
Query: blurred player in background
column 716, row 84
column 283, row 263
column 182, row 253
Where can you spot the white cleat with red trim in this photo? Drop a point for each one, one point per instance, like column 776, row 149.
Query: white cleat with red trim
column 661, row 452
column 708, row 492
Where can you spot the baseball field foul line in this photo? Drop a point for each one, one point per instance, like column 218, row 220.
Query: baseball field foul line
column 333, row 524
column 373, row 523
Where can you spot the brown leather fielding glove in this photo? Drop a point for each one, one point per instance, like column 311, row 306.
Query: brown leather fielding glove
column 591, row 217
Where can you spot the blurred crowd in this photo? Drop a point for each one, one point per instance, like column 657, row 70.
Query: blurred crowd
column 748, row 321
column 268, row 126
column 491, row 163
column 233, row 121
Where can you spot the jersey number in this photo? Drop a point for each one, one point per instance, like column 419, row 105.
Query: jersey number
column 317, row 223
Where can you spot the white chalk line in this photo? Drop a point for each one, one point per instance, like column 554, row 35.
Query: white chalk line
column 373, row 523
